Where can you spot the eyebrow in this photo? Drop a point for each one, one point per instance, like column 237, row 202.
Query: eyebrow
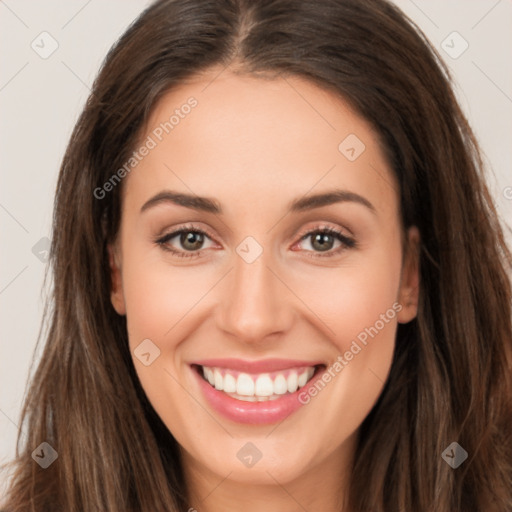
column 209, row 205
column 194, row 202
column 328, row 198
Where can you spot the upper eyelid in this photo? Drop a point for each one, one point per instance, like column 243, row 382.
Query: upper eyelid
column 323, row 227
column 184, row 229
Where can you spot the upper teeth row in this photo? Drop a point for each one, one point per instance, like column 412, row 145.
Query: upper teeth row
column 258, row 385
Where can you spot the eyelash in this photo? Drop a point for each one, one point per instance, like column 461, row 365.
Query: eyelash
column 346, row 242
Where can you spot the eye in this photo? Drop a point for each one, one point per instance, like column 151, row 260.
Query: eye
column 186, row 241
column 326, row 240
column 190, row 241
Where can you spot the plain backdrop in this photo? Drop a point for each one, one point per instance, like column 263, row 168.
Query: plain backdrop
column 42, row 94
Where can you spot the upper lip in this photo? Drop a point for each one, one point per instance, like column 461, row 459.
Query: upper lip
column 260, row 366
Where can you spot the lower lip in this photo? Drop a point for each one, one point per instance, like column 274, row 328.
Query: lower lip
column 253, row 413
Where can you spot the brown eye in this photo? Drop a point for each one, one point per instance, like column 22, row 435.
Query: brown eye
column 327, row 241
column 191, row 240
column 186, row 242
column 322, row 241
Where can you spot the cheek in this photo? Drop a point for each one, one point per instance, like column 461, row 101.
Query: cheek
column 158, row 296
column 337, row 403
column 357, row 304
column 161, row 303
column 356, row 296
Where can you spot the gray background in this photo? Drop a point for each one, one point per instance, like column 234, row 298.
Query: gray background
column 41, row 98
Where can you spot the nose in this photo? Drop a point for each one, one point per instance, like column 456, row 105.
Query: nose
column 255, row 304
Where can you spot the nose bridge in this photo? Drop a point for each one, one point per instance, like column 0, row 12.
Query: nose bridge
column 255, row 304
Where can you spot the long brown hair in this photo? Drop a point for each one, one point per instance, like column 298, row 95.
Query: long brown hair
column 451, row 375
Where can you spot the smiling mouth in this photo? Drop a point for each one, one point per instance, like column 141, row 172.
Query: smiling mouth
column 258, row 387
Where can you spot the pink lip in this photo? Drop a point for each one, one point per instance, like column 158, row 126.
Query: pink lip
column 253, row 413
column 262, row 366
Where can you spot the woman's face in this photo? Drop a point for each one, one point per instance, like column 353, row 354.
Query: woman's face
column 260, row 246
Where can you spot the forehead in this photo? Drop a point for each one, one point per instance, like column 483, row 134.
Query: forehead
column 226, row 134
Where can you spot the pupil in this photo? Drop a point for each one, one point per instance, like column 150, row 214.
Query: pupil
column 322, row 241
column 191, row 240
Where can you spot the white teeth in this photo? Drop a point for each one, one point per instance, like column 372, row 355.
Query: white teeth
column 264, row 386
column 208, row 373
column 229, row 383
column 303, row 378
column 219, row 381
column 280, row 385
column 252, row 388
column 245, row 385
column 292, row 382
column 247, row 398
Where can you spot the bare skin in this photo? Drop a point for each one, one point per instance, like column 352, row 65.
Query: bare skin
column 253, row 146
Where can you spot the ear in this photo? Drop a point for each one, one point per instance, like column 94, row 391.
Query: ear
column 116, row 281
column 410, row 281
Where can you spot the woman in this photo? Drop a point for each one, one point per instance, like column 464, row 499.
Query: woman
column 279, row 278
